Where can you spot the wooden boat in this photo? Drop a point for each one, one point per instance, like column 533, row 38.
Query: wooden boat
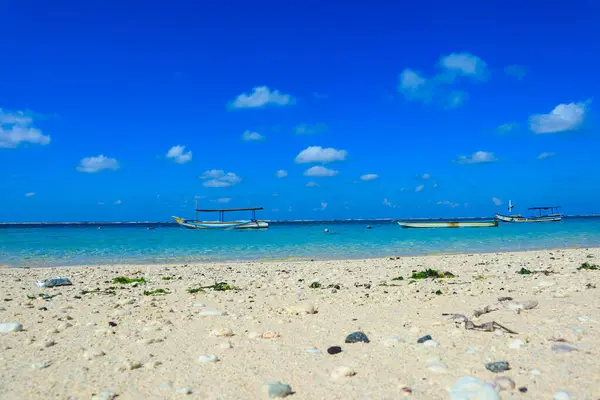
column 251, row 223
column 449, row 224
column 552, row 215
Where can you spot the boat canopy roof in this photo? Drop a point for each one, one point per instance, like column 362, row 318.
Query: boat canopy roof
column 543, row 208
column 232, row 209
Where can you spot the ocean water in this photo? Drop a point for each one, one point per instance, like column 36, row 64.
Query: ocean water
column 72, row 244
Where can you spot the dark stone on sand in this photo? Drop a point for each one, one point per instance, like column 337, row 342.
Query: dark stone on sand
column 424, row 339
column 357, row 337
column 523, row 389
column 498, row 366
column 113, row 324
column 334, row 350
column 43, row 309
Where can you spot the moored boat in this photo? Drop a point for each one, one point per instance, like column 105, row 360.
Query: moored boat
column 251, row 223
column 551, row 216
column 448, row 224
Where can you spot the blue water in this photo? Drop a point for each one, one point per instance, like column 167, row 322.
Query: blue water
column 51, row 245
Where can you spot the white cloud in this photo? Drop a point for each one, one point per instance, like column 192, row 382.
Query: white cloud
column 425, row 176
column 564, row 117
column 312, row 184
column 477, row 158
column 323, row 205
column 414, row 86
column 118, row 202
column 222, row 200
column 419, row 188
column 465, row 64
column 178, row 154
column 97, row 164
column 262, row 96
column 496, row 201
column 217, row 178
column 506, row 128
column 17, row 127
column 417, row 87
column 388, row 203
column 30, row 194
column 545, row 155
column 282, row 173
column 249, row 136
column 317, row 154
column 369, row 177
column 448, row 203
column 516, row 71
column 457, row 99
column 320, row 171
column 310, row 129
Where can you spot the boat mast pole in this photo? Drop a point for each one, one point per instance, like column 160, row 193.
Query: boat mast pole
column 196, row 209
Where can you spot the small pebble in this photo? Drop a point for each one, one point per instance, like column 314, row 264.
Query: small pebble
column 199, row 305
column 64, row 325
column 222, row 332
column 516, row 344
column 112, row 324
column 106, row 395
column 342, row 372
column 523, row 389
column 498, row 366
column 334, row 350
column 301, row 308
column 471, row 388
column 208, row 358
column 226, row 345
column 40, row 365
column 183, row 390
column 504, row 383
column 562, row 348
column 210, row 313
column 8, row 327
column 561, row 396
column 313, row 350
column 424, row 339
column 49, row 343
column 535, row 372
column 93, row 353
column 277, row 389
column 270, row 335
column 131, row 365
column 357, row 337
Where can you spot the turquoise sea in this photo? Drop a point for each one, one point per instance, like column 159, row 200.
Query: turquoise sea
column 72, row 244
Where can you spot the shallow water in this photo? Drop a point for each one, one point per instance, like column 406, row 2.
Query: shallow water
column 72, row 244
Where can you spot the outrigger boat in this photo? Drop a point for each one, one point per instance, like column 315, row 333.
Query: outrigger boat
column 251, row 223
column 551, row 215
column 449, row 224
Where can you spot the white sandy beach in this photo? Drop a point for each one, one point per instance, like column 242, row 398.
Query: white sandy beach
column 152, row 347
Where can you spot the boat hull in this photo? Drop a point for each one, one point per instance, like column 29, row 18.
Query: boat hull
column 216, row 225
column 449, row 224
column 521, row 219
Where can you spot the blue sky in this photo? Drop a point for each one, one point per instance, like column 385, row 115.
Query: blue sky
column 344, row 110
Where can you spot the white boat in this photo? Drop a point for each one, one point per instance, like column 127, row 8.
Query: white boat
column 251, row 223
column 552, row 216
column 449, row 224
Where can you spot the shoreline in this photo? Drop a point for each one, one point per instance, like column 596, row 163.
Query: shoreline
column 98, row 338
column 293, row 259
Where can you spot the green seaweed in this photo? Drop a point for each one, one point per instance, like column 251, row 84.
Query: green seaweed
column 315, row 285
column 195, row 290
column 431, row 273
column 438, row 292
column 400, row 278
column 524, row 271
column 155, row 292
column 123, row 280
column 219, row 287
column 589, row 267
column 166, row 278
